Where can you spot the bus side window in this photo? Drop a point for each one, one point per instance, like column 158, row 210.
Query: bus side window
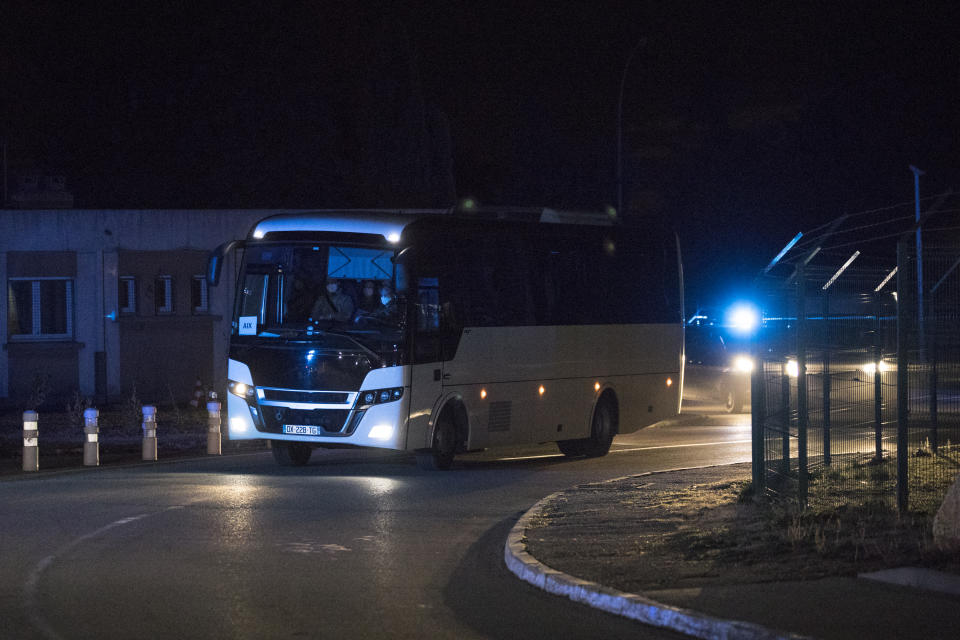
column 428, row 305
column 426, row 299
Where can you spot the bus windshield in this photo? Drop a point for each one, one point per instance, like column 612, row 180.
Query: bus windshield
column 334, row 295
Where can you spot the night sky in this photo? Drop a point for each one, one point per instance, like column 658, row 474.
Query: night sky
column 743, row 123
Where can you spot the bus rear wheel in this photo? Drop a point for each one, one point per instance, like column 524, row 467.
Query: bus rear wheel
column 603, row 427
column 290, row 454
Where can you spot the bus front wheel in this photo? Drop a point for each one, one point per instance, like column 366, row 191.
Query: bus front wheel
column 290, row 454
column 439, row 457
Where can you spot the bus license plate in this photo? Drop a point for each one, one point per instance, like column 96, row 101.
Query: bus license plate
column 302, row 430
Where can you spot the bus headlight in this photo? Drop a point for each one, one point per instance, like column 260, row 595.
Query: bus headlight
column 241, row 389
column 379, row 396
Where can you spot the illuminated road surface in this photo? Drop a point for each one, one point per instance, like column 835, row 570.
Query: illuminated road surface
column 355, row 545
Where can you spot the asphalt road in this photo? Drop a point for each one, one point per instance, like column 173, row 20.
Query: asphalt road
column 355, row 545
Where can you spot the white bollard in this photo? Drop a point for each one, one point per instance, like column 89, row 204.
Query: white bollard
column 91, row 439
column 213, row 427
column 149, row 433
column 31, row 455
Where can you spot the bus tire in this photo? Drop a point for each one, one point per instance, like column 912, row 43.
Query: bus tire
column 733, row 401
column 603, row 427
column 439, row 457
column 290, row 454
column 571, row 448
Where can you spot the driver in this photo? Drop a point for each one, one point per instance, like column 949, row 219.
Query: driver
column 333, row 304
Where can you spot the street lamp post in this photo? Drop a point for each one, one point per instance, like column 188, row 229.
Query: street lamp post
column 623, row 81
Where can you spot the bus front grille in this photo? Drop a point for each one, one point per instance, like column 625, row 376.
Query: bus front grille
column 314, row 397
column 332, row 421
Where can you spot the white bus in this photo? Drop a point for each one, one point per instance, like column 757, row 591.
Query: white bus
column 493, row 327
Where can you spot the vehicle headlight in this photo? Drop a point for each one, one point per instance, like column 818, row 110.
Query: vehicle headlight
column 242, row 389
column 743, row 364
column 379, row 396
column 871, row 368
column 793, row 369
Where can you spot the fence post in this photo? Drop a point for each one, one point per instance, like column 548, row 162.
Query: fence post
column 802, row 409
column 758, row 414
column 31, row 447
column 213, row 427
column 785, row 413
column 905, row 279
column 877, row 385
column 149, row 432
column 827, row 382
column 91, row 438
column 933, row 381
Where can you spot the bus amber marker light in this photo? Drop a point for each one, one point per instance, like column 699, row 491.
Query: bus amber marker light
column 669, row 382
column 542, row 390
column 596, row 386
column 483, row 394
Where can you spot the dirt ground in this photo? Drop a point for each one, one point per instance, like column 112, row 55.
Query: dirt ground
column 694, row 528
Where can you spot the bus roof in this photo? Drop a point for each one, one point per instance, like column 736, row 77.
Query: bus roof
column 390, row 223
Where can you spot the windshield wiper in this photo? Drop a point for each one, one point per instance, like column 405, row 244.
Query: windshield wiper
column 366, row 349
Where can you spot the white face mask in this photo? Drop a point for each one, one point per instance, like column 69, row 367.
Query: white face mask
column 368, row 291
column 332, row 287
column 385, row 300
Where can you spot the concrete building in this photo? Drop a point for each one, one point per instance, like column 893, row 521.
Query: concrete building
column 101, row 300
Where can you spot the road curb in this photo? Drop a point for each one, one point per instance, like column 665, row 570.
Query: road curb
column 629, row 605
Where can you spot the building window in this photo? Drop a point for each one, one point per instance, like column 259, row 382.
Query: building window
column 127, row 294
column 198, row 295
column 163, row 294
column 39, row 308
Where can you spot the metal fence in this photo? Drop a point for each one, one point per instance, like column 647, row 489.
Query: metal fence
column 856, row 392
column 928, row 373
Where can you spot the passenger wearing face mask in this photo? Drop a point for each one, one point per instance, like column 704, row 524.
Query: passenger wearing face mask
column 369, row 300
column 387, row 308
column 333, row 304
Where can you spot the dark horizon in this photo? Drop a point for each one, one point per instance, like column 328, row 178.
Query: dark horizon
column 741, row 125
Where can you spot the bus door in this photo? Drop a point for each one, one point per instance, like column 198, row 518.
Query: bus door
column 426, row 380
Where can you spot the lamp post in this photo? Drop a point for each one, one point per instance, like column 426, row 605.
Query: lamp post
column 623, row 81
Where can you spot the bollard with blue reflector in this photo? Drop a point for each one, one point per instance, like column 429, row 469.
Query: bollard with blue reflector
column 213, row 426
column 91, row 438
column 31, row 456
column 149, row 433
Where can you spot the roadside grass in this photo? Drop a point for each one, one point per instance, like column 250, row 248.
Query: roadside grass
column 851, row 523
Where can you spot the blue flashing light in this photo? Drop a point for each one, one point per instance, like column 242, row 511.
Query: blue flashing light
column 743, row 318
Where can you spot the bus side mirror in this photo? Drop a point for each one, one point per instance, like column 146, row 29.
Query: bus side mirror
column 216, row 258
